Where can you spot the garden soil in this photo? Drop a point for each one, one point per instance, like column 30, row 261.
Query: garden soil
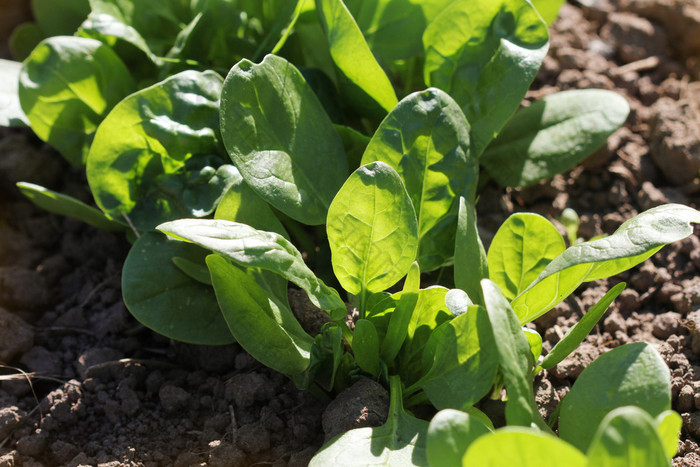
column 83, row 383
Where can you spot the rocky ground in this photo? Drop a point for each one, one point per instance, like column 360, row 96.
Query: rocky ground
column 82, row 383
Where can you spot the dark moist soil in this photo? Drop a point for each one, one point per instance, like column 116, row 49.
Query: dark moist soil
column 85, row 384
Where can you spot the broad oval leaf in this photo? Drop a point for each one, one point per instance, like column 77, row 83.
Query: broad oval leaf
column 68, row 206
column 266, row 329
column 626, row 437
column 524, row 447
column 372, row 230
column 449, row 435
column 553, row 134
column 66, row 87
column 367, row 85
column 425, row 139
column 634, row 241
column 158, row 155
column 399, row 442
column 548, row 9
column 632, row 374
column 167, row 300
column 485, row 54
column 253, row 248
column 463, row 361
column 281, row 139
column 522, row 247
column 10, row 110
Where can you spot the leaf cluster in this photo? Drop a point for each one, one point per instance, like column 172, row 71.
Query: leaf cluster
column 359, row 131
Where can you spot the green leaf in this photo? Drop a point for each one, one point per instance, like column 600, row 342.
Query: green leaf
column 365, row 346
column 627, row 437
column 668, row 427
column 252, row 248
column 429, row 313
column 264, row 327
column 534, row 340
column 281, row 139
column 66, row 87
column 632, row 374
column 524, row 447
column 401, row 316
column 59, row 18
column 548, row 9
column 485, row 54
column 634, row 241
column 241, row 204
column 393, row 29
column 425, row 139
column 150, row 25
column 196, row 270
column 463, row 361
column 578, row 333
column 449, row 435
column 326, row 356
column 372, row 230
column 158, row 156
column 354, row 142
column 400, row 441
column 523, row 246
column 514, row 356
column 24, row 38
column 470, row 261
column 165, row 299
column 10, row 111
column 368, row 87
column 553, row 134
column 68, row 206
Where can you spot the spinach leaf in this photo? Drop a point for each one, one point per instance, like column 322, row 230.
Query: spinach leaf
column 425, row 139
column 514, row 356
column 241, row 204
column 164, row 298
column 548, row 9
column 522, row 247
column 10, row 110
column 627, row 436
column 632, row 374
column 372, row 231
column 401, row 316
column 552, row 135
column 157, row 156
column 68, row 206
column 365, row 346
column 367, row 86
column 59, row 18
column 470, row 260
column 430, row 312
column 252, row 248
column 463, row 360
column 668, row 427
column 578, row 333
column 66, row 87
column 485, row 54
column 24, row 38
column 449, row 435
column 274, row 129
column 524, row 447
column 400, row 441
column 264, row 327
column 634, row 241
